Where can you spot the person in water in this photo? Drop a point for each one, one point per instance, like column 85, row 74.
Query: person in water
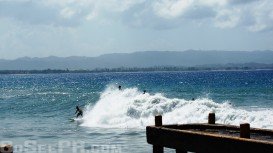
column 144, row 91
column 79, row 111
column 119, row 87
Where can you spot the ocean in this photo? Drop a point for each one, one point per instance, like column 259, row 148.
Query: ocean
column 37, row 111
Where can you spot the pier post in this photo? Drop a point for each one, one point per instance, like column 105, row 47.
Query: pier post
column 157, row 148
column 6, row 148
column 158, row 120
column 211, row 118
column 245, row 130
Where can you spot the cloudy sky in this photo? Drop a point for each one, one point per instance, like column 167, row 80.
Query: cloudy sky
column 40, row 28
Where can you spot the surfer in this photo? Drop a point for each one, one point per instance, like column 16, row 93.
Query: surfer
column 119, row 87
column 144, row 91
column 79, row 111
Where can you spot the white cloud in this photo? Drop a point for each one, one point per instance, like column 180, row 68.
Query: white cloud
column 254, row 15
column 67, row 13
column 92, row 15
column 261, row 16
column 212, row 3
column 171, row 8
column 227, row 18
column 37, row 13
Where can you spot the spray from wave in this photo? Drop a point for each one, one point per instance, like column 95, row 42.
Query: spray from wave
column 130, row 108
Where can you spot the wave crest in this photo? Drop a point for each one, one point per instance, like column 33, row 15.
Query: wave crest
column 130, row 108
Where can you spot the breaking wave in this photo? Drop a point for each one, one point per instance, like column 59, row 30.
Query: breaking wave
column 130, row 108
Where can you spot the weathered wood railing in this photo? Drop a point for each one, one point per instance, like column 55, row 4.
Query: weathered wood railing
column 209, row 138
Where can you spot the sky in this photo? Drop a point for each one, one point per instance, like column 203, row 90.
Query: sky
column 41, row 28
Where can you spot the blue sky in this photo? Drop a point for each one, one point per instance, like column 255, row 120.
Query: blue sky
column 41, row 28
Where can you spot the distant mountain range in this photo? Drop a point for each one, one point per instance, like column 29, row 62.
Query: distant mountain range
column 141, row 60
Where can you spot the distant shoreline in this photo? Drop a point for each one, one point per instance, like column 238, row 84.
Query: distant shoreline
column 146, row 61
column 149, row 69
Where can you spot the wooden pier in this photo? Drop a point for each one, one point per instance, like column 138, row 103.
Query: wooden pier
column 209, row 137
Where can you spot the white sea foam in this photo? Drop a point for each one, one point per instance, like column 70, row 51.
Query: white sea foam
column 130, row 108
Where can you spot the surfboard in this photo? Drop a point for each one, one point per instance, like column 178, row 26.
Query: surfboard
column 71, row 119
column 78, row 120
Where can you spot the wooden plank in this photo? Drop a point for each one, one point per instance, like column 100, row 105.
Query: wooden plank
column 205, row 126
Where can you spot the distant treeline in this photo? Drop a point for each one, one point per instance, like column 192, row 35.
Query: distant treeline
column 135, row 69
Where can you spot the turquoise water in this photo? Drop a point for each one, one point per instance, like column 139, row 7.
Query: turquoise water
column 35, row 109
